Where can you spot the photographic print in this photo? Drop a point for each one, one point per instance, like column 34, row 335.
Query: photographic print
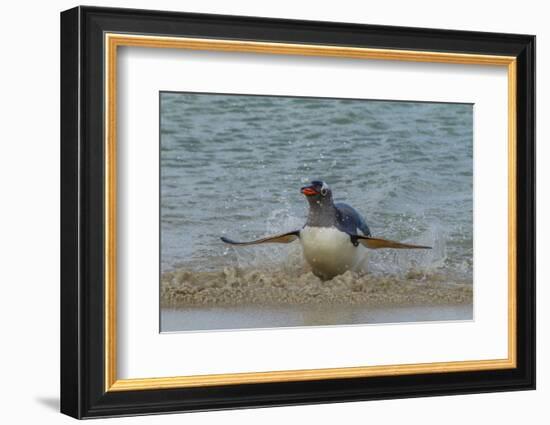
column 297, row 211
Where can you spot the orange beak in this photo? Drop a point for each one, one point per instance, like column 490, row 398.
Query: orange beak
column 309, row 191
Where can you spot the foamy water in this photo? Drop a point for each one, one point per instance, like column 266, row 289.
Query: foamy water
column 233, row 166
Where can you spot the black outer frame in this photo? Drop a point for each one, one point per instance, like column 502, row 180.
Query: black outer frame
column 82, row 219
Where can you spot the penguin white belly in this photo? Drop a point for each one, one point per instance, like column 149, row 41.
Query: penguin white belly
column 330, row 252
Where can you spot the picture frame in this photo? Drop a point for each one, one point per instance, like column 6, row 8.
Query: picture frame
column 90, row 40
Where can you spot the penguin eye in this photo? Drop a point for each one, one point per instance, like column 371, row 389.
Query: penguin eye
column 324, row 191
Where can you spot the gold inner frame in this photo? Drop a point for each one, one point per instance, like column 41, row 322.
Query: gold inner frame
column 113, row 41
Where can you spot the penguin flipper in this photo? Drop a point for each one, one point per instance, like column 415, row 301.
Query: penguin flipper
column 377, row 243
column 282, row 238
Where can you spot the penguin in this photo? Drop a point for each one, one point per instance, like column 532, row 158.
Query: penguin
column 335, row 236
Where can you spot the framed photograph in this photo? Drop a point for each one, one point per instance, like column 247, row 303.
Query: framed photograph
column 261, row 212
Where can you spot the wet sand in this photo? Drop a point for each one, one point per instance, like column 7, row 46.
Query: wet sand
column 241, row 299
column 247, row 317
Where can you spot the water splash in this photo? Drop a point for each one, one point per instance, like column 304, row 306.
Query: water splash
column 417, row 262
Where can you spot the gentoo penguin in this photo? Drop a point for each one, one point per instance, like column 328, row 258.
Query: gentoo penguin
column 334, row 237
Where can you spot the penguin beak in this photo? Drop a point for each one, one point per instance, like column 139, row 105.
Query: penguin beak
column 309, row 190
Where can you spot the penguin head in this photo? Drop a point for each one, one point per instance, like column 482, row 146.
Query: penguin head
column 317, row 192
